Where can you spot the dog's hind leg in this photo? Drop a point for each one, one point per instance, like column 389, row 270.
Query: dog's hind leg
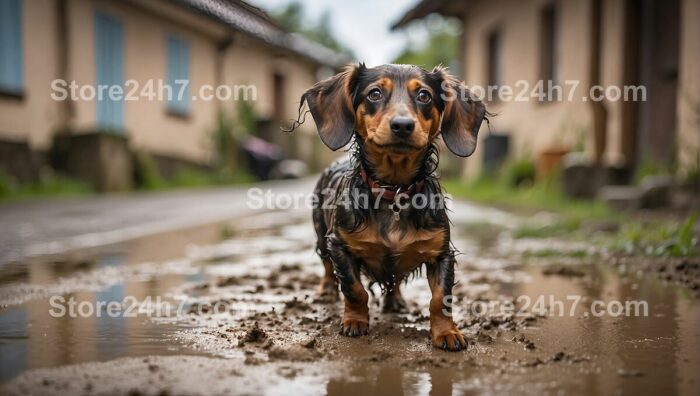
column 393, row 301
column 328, row 289
column 356, row 316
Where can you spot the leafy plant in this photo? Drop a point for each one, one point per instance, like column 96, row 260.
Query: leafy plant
column 676, row 239
column 440, row 47
column 520, row 172
column 5, row 185
column 229, row 132
column 293, row 18
column 148, row 176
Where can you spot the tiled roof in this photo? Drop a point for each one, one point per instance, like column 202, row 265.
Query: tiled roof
column 255, row 22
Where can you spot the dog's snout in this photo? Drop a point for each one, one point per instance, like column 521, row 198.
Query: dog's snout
column 402, row 126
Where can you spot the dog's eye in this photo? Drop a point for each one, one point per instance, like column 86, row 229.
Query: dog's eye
column 424, row 97
column 375, row 95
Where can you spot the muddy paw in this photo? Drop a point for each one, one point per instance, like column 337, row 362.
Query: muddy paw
column 354, row 327
column 450, row 339
column 395, row 304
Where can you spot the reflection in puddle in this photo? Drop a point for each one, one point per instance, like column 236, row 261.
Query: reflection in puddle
column 31, row 338
column 266, row 267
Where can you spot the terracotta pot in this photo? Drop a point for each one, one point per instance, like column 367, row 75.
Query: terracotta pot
column 548, row 161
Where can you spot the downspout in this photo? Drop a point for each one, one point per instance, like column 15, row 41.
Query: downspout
column 600, row 113
column 221, row 49
column 225, row 149
column 66, row 110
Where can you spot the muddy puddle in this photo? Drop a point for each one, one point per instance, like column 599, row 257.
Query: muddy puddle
column 231, row 308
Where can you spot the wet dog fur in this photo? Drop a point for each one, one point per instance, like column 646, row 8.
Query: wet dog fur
column 394, row 114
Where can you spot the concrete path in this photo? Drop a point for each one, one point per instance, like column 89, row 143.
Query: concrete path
column 50, row 226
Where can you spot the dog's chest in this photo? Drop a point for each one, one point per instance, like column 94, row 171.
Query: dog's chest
column 404, row 247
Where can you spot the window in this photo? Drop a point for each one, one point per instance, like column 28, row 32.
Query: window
column 549, row 56
column 109, row 70
column 279, row 95
column 494, row 67
column 11, row 54
column 178, row 75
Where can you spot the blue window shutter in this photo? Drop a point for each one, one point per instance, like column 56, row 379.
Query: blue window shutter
column 109, row 70
column 11, row 52
column 178, row 70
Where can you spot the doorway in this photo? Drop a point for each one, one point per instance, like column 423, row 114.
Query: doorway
column 652, row 38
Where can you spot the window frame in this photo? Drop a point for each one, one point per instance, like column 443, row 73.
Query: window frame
column 550, row 23
column 109, row 120
column 176, row 65
column 14, row 31
column 494, row 60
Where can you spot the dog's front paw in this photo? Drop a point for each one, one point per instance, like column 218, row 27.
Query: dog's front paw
column 447, row 337
column 353, row 326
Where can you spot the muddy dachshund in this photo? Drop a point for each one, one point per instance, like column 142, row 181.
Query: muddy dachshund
column 370, row 213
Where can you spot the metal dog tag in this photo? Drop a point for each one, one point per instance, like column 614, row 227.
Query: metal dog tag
column 397, row 211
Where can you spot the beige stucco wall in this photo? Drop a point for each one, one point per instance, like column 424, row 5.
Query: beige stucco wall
column 250, row 61
column 146, row 24
column 33, row 117
column 612, row 56
column 533, row 126
column 147, row 122
column 537, row 126
column 689, row 86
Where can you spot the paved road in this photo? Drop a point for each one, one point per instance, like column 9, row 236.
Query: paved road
column 51, row 226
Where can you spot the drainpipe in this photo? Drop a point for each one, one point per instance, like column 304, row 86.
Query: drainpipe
column 220, row 69
column 600, row 113
column 66, row 110
column 226, row 152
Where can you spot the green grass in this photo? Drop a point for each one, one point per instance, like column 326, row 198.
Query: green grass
column 55, row 185
column 60, row 185
column 662, row 238
column 560, row 228
column 151, row 179
column 542, row 253
column 509, row 189
column 539, row 197
column 669, row 238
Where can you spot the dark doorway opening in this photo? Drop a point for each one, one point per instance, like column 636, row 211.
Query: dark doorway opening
column 652, row 38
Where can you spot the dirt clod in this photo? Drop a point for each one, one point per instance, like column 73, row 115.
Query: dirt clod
column 563, row 270
column 255, row 334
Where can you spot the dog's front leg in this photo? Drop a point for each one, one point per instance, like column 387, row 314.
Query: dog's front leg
column 442, row 328
column 356, row 317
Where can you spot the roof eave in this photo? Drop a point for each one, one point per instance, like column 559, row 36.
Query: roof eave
column 272, row 35
column 427, row 7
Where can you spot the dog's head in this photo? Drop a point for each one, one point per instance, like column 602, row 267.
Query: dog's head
column 397, row 108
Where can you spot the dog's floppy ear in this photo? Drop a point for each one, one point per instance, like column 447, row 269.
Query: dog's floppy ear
column 462, row 115
column 330, row 103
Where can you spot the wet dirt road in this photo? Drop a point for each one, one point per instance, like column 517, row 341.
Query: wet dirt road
column 231, row 308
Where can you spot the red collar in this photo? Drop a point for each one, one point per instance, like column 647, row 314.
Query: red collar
column 390, row 192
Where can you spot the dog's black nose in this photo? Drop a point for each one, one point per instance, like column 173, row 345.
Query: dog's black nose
column 402, row 126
